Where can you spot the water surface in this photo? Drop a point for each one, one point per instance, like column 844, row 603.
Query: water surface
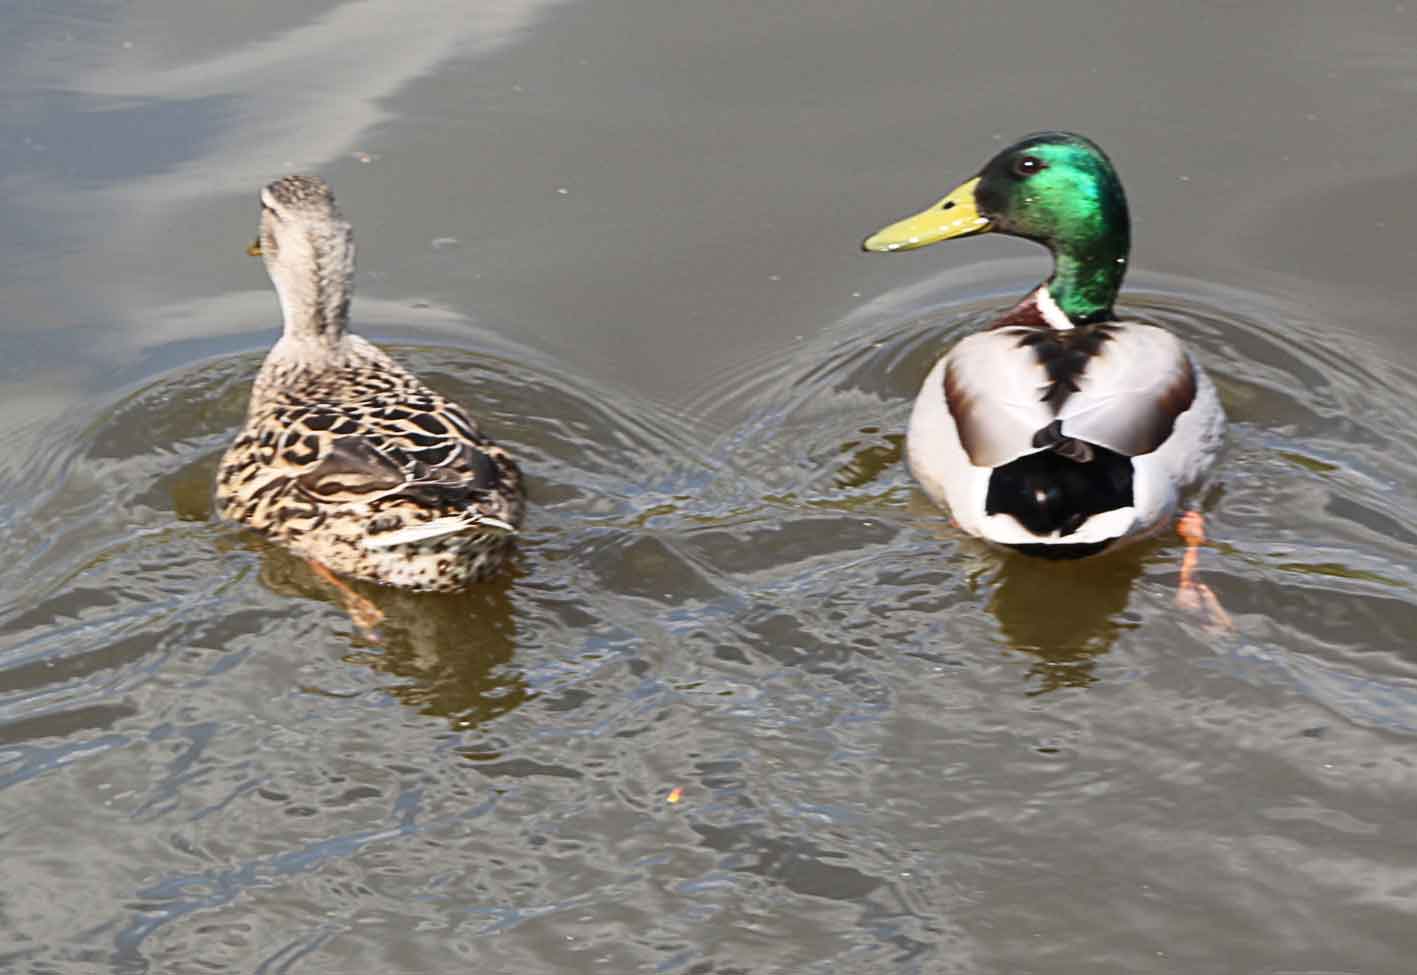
column 625, row 235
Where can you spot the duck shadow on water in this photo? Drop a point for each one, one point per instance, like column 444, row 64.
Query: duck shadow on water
column 1064, row 615
column 450, row 654
column 839, row 422
column 801, row 440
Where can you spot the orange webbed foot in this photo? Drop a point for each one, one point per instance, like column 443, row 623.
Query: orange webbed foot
column 362, row 611
column 1195, row 596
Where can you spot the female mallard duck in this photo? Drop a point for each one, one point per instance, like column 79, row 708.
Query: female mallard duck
column 1058, row 431
column 346, row 458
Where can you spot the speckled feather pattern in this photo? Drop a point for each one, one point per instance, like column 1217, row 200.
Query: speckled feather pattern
column 343, row 447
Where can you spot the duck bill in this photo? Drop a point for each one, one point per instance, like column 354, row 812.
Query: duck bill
column 254, row 248
column 957, row 215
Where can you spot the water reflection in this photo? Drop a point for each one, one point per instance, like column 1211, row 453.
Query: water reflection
column 824, row 430
column 286, row 94
column 721, row 610
column 1065, row 616
column 451, row 654
column 133, row 520
column 756, row 526
column 204, row 768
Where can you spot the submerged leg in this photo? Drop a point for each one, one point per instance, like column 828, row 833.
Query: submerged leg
column 1193, row 595
column 364, row 613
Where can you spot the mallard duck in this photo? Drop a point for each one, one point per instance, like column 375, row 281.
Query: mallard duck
column 1058, row 430
column 346, row 457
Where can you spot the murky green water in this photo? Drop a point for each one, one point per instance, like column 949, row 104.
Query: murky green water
column 625, row 234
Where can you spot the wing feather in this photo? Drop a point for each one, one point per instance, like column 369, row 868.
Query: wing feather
column 416, row 452
column 995, row 391
column 1132, row 391
column 351, row 466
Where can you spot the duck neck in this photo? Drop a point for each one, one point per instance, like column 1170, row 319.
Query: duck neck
column 314, row 279
column 318, row 321
column 1085, row 280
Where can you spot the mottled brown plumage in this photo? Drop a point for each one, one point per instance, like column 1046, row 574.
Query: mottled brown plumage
column 346, row 457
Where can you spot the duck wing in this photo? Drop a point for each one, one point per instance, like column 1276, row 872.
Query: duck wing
column 1015, row 390
column 431, row 459
column 995, row 387
column 1134, row 387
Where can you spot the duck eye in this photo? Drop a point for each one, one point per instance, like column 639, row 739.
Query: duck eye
column 1028, row 165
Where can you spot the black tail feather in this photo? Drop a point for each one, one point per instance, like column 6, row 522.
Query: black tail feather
column 1051, row 491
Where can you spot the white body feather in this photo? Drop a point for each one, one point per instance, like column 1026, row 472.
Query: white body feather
column 1004, row 383
column 439, row 528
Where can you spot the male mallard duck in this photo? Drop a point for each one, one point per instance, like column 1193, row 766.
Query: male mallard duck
column 346, row 458
column 1058, row 431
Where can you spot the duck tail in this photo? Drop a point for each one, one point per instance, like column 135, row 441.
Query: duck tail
column 441, row 528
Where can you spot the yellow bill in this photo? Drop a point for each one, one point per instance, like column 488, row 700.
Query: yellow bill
column 956, row 215
column 254, row 248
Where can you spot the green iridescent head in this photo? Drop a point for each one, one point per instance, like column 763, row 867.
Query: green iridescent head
column 1056, row 188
